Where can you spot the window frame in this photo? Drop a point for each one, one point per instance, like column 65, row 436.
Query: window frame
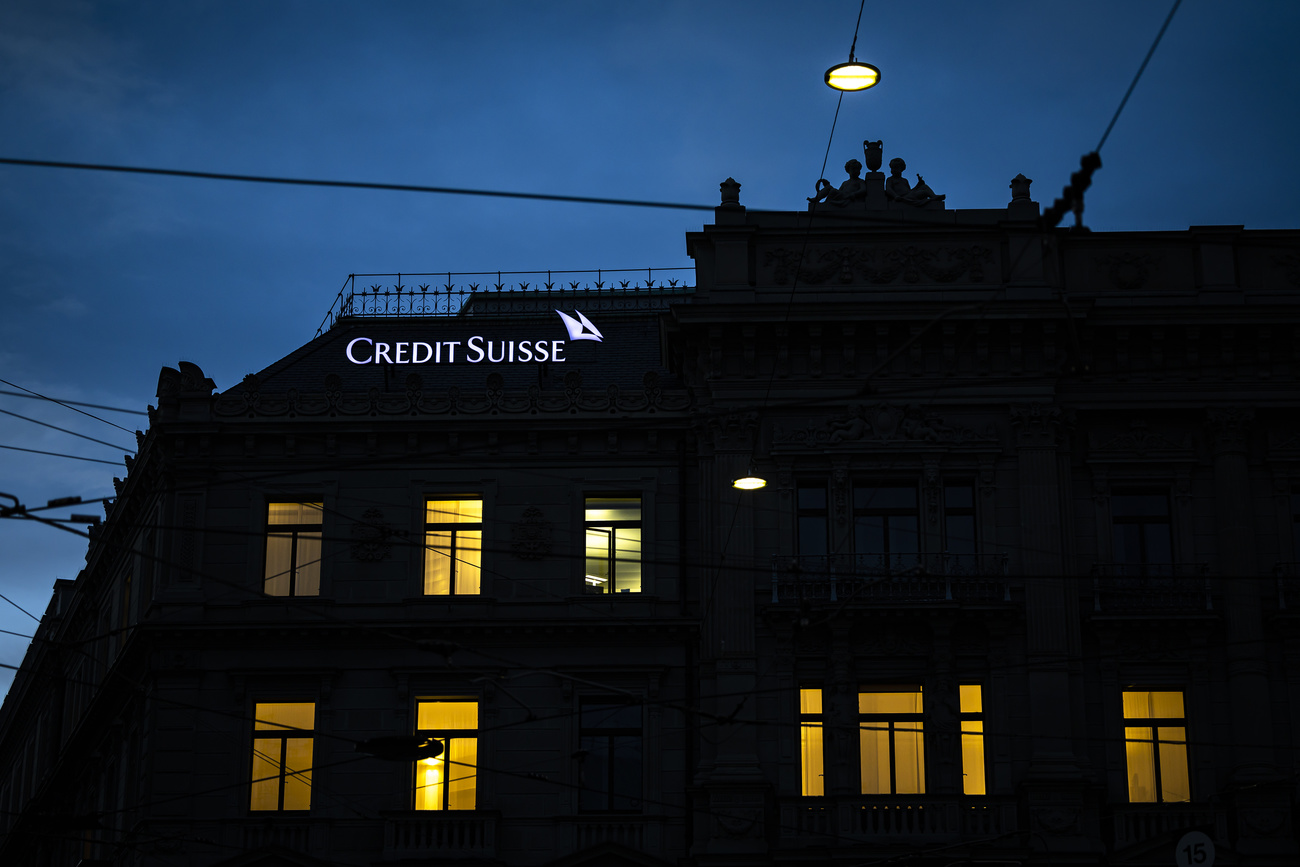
column 972, row 736
column 1143, row 566
column 812, row 513
column 613, row 784
column 890, row 561
column 265, row 730
column 455, row 528
column 1159, row 759
column 446, row 736
column 812, row 721
column 612, row 559
column 894, row 723
column 294, row 533
column 971, row 511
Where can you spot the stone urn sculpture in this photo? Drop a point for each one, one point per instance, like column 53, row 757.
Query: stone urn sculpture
column 872, row 151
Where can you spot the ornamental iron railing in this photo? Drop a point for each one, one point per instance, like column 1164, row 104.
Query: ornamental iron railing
column 1151, row 587
column 486, row 293
column 911, row 577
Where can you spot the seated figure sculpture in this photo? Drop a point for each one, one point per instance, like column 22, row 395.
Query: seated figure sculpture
column 852, row 190
column 897, row 189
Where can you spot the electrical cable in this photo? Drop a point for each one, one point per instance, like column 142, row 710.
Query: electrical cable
column 71, row 403
column 66, row 431
column 62, row 455
column 69, row 406
column 1151, row 51
column 361, row 185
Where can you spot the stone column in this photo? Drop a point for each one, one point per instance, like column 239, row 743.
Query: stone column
column 1229, row 431
column 1061, row 817
column 735, row 791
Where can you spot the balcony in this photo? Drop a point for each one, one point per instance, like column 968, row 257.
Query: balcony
column 642, row 833
column 881, row 820
column 1147, row 588
column 1134, row 824
column 912, row 578
column 458, row 834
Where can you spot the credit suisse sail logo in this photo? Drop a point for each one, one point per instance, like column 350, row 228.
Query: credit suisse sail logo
column 474, row 350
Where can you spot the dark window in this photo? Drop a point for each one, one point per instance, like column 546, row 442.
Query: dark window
column 811, row 517
column 959, row 519
column 1295, row 524
column 1140, row 533
column 885, row 527
column 610, row 743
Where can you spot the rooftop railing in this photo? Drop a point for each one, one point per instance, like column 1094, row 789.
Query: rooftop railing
column 486, row 293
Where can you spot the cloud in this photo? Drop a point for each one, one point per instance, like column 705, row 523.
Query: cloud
column 54, row 56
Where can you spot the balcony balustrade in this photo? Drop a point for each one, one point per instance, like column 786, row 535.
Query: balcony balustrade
column 1124, row 588
column 462, row 834
column 892, row 578
column 853, row 820
column 1132, row 824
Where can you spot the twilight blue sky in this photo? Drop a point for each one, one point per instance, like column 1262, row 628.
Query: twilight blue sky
column 105, row 278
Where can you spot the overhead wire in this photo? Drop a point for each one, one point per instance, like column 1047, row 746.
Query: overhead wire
column 66, row 405
column 66, row 431
column 1136, row 78
column 70, row 403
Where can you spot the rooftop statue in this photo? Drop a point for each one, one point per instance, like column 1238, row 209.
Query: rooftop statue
column 852, row 190
column 897, row 189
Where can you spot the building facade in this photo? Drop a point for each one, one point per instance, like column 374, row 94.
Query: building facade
column 465, row 578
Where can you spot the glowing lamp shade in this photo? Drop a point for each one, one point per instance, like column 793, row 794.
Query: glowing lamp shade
column 852, row 76
column 749, row 483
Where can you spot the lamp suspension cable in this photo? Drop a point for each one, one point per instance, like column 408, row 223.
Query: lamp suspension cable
column 853, row 75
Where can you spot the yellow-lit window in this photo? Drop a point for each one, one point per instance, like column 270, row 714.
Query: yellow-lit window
column 292, row 549
column 448, row 781
column 891, row 740
column 812, row 754
column 282, row 741
column 972, row 739
column 453, row 547
column 1155, row 746
column 613, row 526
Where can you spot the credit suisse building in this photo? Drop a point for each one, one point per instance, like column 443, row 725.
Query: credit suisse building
column 465, row 578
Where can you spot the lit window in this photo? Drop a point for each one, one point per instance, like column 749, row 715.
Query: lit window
column 449, row 781
column 972, row 739
column 613, row 526
column 1140, row 533
column 282, row 741
column 811, row 749
column 891, row 741
column 1156, row 747
column 811, row 522
column 885, row 526
column 453, row 547
column 292, row 549
column 610, row 738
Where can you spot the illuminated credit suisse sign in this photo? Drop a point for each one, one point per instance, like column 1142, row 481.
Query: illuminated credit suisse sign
column 473, row 350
